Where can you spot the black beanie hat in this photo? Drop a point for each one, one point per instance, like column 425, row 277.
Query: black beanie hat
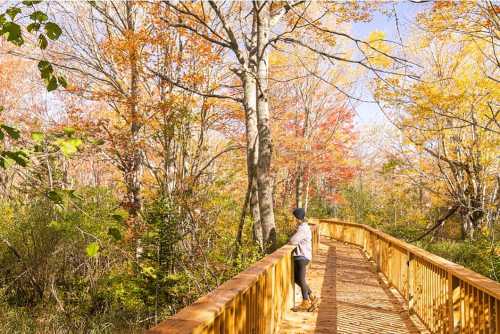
column 299, row 213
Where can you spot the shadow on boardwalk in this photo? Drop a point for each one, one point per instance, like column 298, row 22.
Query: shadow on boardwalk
column 354, row 299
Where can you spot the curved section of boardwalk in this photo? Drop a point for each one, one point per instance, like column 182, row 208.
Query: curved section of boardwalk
column 354, row 298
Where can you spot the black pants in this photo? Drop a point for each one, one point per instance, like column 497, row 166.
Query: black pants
column 299, row 267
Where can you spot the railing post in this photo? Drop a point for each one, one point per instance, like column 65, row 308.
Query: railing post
column 292, row 279
column 453, row 303
column 389, row 265
column 410, row 283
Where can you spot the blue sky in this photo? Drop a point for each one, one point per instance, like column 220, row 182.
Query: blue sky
column 368, row 113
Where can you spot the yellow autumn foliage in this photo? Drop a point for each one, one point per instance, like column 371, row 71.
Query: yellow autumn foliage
column 377, row 50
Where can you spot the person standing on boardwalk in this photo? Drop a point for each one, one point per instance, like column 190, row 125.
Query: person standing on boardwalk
column 302, row 255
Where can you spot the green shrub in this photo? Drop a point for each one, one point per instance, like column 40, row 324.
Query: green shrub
column 478, row 255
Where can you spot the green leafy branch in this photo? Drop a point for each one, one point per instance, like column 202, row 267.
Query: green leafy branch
column 44, row 30
column 10, row 157
column 40, row 26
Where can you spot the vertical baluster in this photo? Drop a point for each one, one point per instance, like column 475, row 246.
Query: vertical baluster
column 402, row 272
column 388, row 261
column 422, row 290
column 426, row 293
column 494, row 316
column 440, row 292
column 248, row 324
column 419, row 288
column 416, row 286
column 404, row 288
column 429, row 297
column 444, row 306
column 482, row 313
column 479, row 312
column 410, row 282
column 465, row 316
column 228, row 318
column 241, row 313
column 271, row 286
column 432, row 296
column 253, row 307
column 443, row 292
column 470, row 312
column 466, row 308
column 487, row 314
column 387, row 258
column 397, row 270
column 476, row 310
column 490, row 315
column 277, row 296
column 216, row 326
column 442, row 302
column 269, row 297
column 471, row 308
column 407, row 279
column 454, row 292
column 260, row 301
column 209, row 329
column 250, row 304
column 431, row 306
column 259, row 312
column 496, row 303
column 463, row 302
column 439, row 289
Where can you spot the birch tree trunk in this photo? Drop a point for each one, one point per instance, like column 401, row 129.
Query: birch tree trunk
column 249, row 79
column 306, row 200
column 299, row 186
column 250, row 101
column 133, row 168
column 302, row 165
column 264, row 177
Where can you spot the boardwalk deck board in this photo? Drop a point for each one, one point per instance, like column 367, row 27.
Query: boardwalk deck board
column 354, row 298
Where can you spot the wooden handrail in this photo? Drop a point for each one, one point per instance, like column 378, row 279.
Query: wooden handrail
column 254, row 301
column 465, row 274
column 447, row 297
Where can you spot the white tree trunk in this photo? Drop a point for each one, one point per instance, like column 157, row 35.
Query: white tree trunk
column 250, row 102
column 264, row 176
column 299, row 186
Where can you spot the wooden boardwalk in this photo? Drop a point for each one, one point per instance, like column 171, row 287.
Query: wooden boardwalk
column 355, row 299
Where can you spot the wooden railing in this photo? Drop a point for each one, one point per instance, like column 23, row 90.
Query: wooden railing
column 253, row 302
column 447, row 297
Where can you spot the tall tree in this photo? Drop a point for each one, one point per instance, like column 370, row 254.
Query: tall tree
column 103, row 48
column 448, row 118
column 312, row 127
column 248, row 31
